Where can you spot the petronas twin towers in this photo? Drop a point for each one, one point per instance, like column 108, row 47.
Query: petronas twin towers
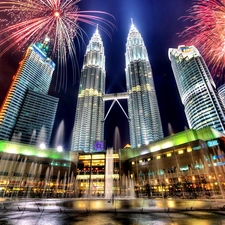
column 143, row 112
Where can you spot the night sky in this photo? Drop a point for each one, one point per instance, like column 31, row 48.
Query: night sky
column 159, row 24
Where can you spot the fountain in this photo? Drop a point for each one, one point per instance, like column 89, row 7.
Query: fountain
column 41, row 138
column 109, row 174
column 59, row 135
column 16, row 137
column 126, row 183
column 33, row 137
column 117, row 142
column 170, row 129
column 51, row 185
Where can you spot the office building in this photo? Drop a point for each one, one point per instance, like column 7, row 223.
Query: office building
column 221, row 92
column 197, row 89
column 89, row 119
column 144, row 117
column 36, row 118
column 34, row 74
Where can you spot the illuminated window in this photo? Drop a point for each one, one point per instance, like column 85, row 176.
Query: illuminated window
column 168, row 154
column 184, row 168
column 140, row 161
column 99, row 156
column 82, row 157
column 160, row 172
column 158, row 156
column 196, row 148
column 149, row 159
column 98, row 162
column 180, row 152
column 198, row 166
column 189, row 149
column 133, row 163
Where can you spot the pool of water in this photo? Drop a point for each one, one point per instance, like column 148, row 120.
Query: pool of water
column 42, row 218
column 118, row 212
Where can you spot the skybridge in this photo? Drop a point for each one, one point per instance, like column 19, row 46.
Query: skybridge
column 115, row 97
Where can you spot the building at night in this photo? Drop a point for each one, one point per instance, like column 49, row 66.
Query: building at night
column 36, row 119
column 33, row 75
column 202, row 104
column 188, row 164
column 144, row 117
column 221, row 92
column 88, row 131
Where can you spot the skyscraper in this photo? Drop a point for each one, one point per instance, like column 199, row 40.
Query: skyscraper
column 89, row 118
column 221, row 92
column 35, row 74
column 197, row 89
column 144, row 117
column 36, row 118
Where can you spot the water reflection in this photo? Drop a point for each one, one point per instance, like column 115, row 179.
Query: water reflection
column 31, row 218
column 153, row 204
column 119, row 212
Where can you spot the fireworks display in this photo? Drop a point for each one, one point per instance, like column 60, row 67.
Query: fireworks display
column 27, row 21
column 207, row 32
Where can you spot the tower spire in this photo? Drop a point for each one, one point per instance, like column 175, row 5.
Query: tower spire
column 132, row 23
column 97, row 28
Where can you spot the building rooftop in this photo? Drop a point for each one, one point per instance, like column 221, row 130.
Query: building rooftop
column 204, row 134
column 29, row 150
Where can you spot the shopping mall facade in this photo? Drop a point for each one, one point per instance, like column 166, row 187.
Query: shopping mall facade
column 185, row 164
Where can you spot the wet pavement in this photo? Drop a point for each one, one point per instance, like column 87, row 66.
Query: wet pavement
column 105, row 212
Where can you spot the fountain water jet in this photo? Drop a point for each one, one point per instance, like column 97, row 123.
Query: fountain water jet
column 59, row 135
column 41, row 136
column 33, row 137
column 170, row 129
column 16, row 137
column 109, row 174
column 117, row 142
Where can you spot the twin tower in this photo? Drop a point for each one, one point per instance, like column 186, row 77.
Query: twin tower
column 143, row 112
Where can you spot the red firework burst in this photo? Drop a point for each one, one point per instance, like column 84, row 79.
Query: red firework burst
column 28, row 21
column 207, row 32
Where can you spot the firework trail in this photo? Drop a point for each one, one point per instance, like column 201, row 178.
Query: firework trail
column 207, row 32
column 27, row 21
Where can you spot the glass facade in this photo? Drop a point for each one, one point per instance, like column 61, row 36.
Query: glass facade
column 89, row 118
column 92, row 174
column 34, row 73
column 197, row 89
column 36, row 118
column 144, row 117
column 221, row 91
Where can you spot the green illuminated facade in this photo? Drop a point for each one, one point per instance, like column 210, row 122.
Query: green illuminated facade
column 182, row 163
column 186, row 165
column 29, row 150
column 184, row 137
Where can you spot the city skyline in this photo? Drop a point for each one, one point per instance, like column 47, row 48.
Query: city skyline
column 159, row 24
